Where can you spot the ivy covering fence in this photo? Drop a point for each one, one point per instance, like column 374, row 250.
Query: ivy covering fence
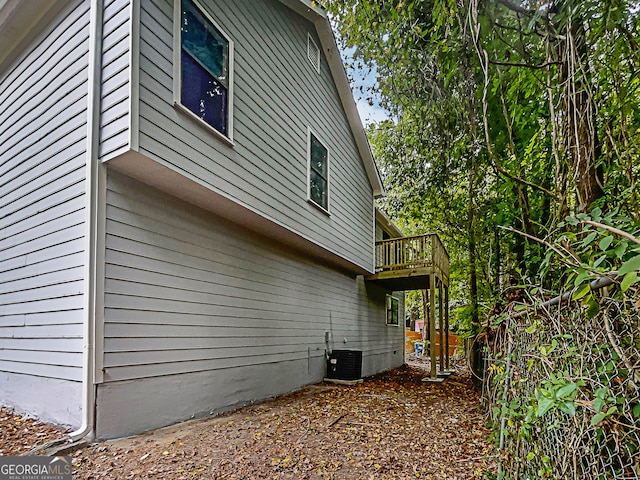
column 563, row 373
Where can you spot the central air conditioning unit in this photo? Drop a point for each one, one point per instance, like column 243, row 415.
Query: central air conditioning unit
column 344, row 365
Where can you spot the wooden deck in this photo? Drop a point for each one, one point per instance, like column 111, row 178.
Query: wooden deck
column 408, row 263
column 420, row 263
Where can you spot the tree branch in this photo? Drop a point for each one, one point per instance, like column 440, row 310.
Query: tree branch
column 622, row 233
column 508, row 27
column 534, row 67
column 516, row 8
column 483, row 56
column 549, row 246
column 629, row 36
column 522, row 181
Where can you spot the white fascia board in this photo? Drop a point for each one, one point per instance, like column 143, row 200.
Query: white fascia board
column 20, row 23
column 386, row 223
column 312, row 12
column 307, row 8
column 339, row 74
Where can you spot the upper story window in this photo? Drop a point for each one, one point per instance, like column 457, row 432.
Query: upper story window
column 206, row 68
column 318, row 173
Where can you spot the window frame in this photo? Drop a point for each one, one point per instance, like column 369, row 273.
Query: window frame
column 326, row 210
column 177, row 71
column 389, row 307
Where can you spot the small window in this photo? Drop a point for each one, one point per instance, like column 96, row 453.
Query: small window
column 318, row 173
column 313, row 53
column 392, row 310
column 205, row 74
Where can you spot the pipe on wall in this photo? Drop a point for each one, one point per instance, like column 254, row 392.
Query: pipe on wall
column 87, row 428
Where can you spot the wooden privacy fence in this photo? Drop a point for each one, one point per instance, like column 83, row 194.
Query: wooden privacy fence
column 412, row 337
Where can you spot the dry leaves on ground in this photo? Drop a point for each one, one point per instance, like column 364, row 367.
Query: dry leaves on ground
column 20, row 434
column 393, row 425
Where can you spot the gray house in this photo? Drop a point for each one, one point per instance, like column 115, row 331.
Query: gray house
column 186, row 211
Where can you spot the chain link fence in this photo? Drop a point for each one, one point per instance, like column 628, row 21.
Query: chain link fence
column 562, row 384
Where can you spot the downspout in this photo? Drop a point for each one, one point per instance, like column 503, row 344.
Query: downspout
column 91, row 221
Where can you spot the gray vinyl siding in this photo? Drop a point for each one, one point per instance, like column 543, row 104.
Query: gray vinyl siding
column 277, row 95
column 43, row 100
column 188, row 292
column 115, row 105
column 379, row 230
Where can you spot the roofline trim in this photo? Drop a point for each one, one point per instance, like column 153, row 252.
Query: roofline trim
column 385, row 222
column 319, row 17
column 21, row 21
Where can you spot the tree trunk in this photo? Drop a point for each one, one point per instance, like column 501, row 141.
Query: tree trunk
column 473, row 270
column 582, row 143
column 497, row 261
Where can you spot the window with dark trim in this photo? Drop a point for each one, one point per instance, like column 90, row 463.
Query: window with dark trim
column 392, row 310
column 205, row 68
column 318, row 172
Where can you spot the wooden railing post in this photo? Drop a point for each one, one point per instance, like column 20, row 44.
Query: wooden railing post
column 413, row 252
column 434, row 250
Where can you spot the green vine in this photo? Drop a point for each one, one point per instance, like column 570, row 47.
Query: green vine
column 565, row 376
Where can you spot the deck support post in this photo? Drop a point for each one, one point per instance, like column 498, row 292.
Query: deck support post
column 441, row 329
column 432, row 325
column 446, row 327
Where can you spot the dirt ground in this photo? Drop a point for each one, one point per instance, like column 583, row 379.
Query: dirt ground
column 19, row 435
column 393, row 425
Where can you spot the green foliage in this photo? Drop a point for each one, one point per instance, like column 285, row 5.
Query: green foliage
column 442, row 173
column 515, row 134
column 555, row 393
column 595, row 247
column 570, row 369
column 462, row 321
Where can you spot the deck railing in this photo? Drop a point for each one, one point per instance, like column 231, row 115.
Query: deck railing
column 419, row 251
